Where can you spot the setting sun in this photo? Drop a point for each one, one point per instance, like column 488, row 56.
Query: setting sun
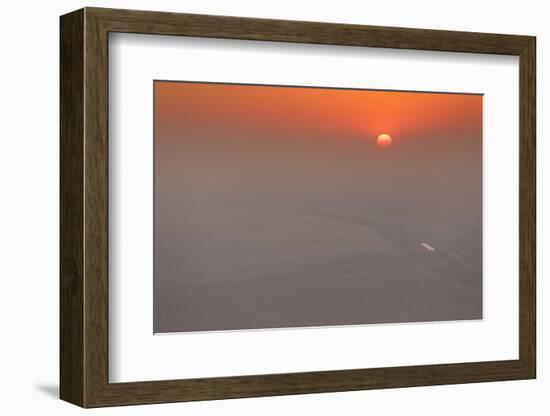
column 384, row 140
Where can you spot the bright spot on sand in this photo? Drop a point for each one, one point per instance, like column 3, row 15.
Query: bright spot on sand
column 427, row 247
column 384, row 140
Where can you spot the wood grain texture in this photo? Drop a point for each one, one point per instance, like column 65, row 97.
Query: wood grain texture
column 84, row 207
column 162, row 23
column 96, row 221
column 72, row 215
column 527, row 207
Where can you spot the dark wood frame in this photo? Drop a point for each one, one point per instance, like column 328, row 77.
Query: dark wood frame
column 84, row 207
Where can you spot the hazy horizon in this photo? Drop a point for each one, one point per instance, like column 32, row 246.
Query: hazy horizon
column 276, row 207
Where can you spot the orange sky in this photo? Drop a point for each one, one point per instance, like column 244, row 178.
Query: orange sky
column 301, row 110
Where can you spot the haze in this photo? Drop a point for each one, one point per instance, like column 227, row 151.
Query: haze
column 275, row 207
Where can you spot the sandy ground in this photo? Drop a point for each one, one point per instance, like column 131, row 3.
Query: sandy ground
column 262, row 264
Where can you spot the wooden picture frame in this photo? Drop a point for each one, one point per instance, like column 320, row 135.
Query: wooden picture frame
column 84, row 207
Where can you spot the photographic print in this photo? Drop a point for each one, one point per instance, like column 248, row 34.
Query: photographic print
column 293, row 206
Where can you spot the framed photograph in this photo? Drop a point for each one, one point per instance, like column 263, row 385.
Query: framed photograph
column 254, row 207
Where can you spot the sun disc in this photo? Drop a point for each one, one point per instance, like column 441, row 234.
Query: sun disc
column 384, row 140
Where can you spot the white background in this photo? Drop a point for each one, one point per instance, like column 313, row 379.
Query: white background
column 136, row 355
column 29, row 210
